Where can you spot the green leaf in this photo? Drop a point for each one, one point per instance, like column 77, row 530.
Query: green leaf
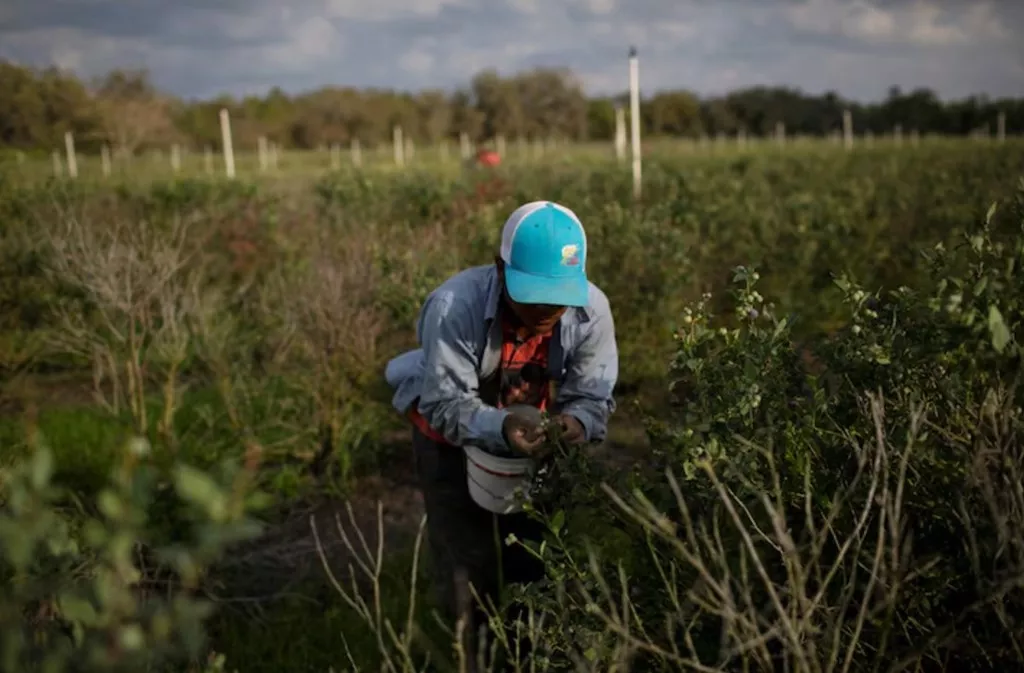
column 42, row 467
column 132, row 637
column 77, row 609
column 991, row 212
column 557, row 521
column 196, row 487
column 998, row 329
column 110, row 505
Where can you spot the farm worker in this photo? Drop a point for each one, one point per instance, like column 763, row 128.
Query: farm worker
column 490, row 337
column 484, row 159
column 488, row 158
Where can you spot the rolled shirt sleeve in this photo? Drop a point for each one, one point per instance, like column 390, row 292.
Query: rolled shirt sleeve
column 449, row 395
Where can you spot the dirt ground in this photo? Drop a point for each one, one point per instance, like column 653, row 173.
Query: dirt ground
column 392, row 505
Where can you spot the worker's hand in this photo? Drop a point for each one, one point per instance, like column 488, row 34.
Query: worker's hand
column 569, row 429
column 524, row 435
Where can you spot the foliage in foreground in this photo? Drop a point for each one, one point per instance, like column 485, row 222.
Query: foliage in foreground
column 91, row 585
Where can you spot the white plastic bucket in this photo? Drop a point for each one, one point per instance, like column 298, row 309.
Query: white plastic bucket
column 494, row 480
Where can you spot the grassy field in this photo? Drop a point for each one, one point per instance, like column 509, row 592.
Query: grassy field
column 159, row 164
column 847, row 451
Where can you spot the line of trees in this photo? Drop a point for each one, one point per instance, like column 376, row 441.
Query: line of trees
column 124, row 110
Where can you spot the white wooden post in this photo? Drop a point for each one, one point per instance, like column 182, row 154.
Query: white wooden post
column 499, row 145
column 105, row 160
column 357, row 153
column 1001, row 127
column 848, row 129
column 229, row 150
column 69, row 147
column 464, row 146
column 634, row 113
column 620, row 133
column 58, row 164
column 261, row 151
column 398, row 146
column 175, row 158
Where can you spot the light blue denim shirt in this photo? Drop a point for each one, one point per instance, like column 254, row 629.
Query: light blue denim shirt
column 460, row 345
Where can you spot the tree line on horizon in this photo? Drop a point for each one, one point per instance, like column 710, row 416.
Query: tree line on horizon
column 125, row 111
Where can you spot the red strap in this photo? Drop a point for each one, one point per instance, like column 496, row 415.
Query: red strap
column 421, row 424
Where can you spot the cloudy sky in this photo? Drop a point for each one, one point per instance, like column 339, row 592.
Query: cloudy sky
column 199, row 48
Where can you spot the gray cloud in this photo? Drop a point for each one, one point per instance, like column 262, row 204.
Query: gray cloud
column 857, row 47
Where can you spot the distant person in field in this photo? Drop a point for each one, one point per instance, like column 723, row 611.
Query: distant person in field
column 482, row 160
column 487, row 158
column 492, row 336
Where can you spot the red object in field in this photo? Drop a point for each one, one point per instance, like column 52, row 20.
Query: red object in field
column 488, row 158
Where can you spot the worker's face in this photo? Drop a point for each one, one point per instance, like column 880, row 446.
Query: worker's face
column 536, row 318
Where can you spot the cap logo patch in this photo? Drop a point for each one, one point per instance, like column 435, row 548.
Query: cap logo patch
column 570, row 255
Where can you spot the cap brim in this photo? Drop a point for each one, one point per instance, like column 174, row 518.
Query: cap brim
column 527, row 289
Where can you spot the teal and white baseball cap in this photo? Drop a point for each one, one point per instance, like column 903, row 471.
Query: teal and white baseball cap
column 544, row 249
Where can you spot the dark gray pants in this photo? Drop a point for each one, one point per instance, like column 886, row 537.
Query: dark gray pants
column 467, row 542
